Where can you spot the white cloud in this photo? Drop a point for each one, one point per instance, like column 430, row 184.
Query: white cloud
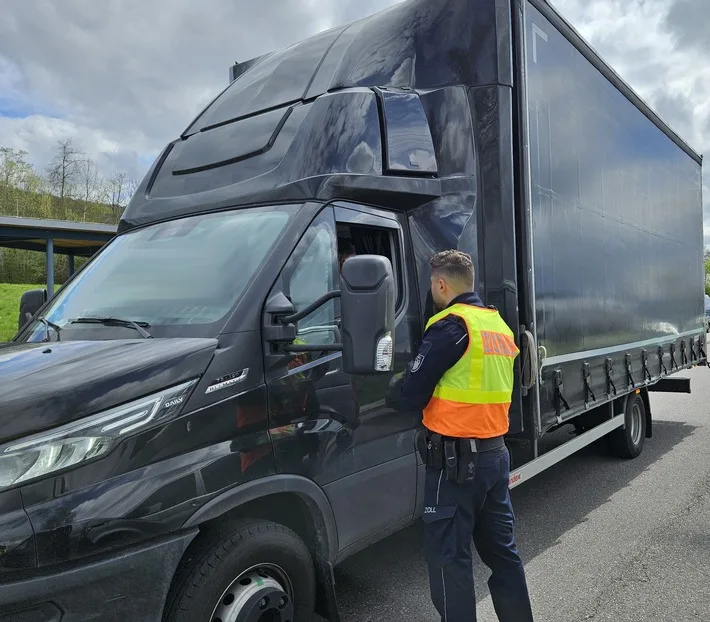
column 38, row 135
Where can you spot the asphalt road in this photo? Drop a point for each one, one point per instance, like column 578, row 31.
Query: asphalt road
column 601, row 538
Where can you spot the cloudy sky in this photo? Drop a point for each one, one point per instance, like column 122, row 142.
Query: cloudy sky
column 123, row 77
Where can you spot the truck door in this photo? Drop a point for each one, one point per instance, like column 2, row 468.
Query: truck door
column 327, row 425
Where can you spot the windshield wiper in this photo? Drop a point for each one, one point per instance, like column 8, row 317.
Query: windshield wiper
column 114, row 321
column 48, row 325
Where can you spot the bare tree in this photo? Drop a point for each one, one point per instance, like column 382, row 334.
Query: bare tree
column 116, row 191
column 64, row 170
column 88, row 180
column 131, row 188
column 89, row 184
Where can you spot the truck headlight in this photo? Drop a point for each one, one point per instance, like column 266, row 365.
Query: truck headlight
column 48, row 452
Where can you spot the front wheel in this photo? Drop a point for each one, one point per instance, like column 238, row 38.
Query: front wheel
column 628, row 441
column 248, row 571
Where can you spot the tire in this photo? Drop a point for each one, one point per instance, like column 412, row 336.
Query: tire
column 628, row 441
column 244, row 571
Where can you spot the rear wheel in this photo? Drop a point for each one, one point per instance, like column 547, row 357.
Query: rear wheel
column 248, row 571
column 628, row 441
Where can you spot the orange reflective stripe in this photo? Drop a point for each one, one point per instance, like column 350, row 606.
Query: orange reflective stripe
column 498, row 344
column 466, row 420
column 487, row 339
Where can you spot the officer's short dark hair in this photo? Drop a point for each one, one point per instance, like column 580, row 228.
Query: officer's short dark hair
column 453, row 265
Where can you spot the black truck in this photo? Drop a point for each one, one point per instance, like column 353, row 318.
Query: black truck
column 194, row 427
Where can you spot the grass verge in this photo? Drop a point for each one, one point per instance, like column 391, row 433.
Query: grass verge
column 10, row 308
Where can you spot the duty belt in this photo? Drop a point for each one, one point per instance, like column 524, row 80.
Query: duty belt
column 457, row 456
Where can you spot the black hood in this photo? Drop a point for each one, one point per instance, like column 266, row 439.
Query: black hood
column 46, row 385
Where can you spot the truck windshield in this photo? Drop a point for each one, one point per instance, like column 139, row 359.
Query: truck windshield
column 184, row 272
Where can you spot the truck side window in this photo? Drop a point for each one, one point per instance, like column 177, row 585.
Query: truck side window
column 310, row 273
column 368, row 240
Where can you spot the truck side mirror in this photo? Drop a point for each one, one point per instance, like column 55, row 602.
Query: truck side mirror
column 31, row 302
column 367, row 298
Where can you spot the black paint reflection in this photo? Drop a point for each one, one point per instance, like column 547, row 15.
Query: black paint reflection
column 152, row 483
column 17, row 550
column 606, row 184
column 280, row 79
column 449, row 115
column 409, row 143
column 448, row 222
column 388, row 55
column 340, row 135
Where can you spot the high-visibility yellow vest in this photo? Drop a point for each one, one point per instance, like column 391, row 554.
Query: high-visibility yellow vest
column 473, row 397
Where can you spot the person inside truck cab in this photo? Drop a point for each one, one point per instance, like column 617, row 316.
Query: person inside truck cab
column 346, row 249
column 462, row 380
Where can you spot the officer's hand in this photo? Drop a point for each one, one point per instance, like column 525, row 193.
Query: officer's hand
column 395, row 387
column 394, row 390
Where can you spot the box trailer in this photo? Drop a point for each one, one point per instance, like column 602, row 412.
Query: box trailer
column 610, row 243
column 195, row 426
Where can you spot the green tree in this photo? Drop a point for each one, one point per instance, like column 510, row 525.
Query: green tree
column 15, row 172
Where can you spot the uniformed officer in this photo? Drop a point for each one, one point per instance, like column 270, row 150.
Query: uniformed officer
column 462, row 380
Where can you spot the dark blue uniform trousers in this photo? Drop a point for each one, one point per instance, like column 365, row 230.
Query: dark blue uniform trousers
column 455, row 513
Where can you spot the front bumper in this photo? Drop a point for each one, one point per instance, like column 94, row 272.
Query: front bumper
column 129, row 586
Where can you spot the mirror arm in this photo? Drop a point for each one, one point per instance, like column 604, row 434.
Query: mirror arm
column 295, row 317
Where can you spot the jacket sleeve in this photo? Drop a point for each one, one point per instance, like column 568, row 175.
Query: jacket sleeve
column 443, row 345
